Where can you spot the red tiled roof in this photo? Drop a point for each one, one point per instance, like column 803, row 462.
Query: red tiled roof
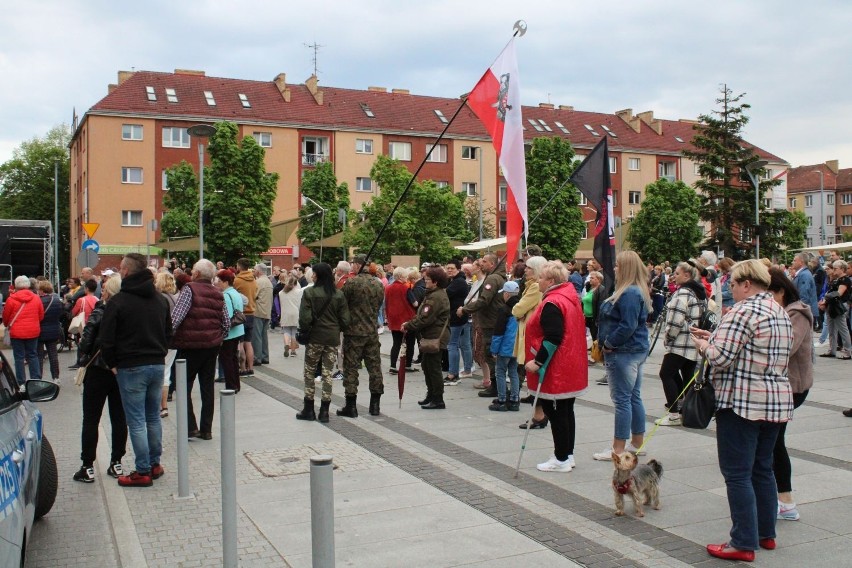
column 394, row 112
column 805, row 178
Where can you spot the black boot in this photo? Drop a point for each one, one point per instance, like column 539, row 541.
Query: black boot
column 374, row 404
column 350, row 410
column 323, row 413
column 426, row 400
column 307, row 413
column 436, row 403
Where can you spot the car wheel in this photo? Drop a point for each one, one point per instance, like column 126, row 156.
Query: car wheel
column 48, row 480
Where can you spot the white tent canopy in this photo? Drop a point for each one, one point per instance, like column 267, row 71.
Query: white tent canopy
column 834, row 247
column 485, row 244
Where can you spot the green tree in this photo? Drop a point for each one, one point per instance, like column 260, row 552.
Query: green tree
column 27, row 186
column 782, row 230
column 559, row 228
column 238, row 195
column 181, row 202
column 666, row 228
column 471, row 218
column 728, row 198
column 426, row 221
column 320, row 185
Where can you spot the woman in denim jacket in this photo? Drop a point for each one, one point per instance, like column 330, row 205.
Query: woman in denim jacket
column 624, row 337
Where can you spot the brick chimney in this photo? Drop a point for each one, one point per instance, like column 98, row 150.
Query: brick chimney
column 281, row 82
column 833, row 165
column 311, row 84
column 400, row 91
column 377, row 89
column 648, row 118
column 124, row 76
column 546, row 105
column 632, row 121
column 566, row 107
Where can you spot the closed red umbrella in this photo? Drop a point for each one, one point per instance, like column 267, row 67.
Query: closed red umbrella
column 400, row 376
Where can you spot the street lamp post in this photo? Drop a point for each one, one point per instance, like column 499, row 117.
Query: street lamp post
column 305, row 199
column 752, row 169
column 201, row 131
column 56, row 222
column 479, row 155
column 821, row 212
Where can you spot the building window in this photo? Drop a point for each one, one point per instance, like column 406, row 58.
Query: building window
column 634, row 197
column 846, row 198
column 131, row 132
column 810, row 221
column 613, row 163
column 439, row 153
column 829, row 219
column 131, row 175
column 633, row 164
column 583, row 201
column 165, row 180
column 585, row 231
column 668, row 170
column 502, row 228
column 829, row 199
column 469, row 152
column 846, row 220
column 767, row 202
column 400, row 151
column 363, row 146
column 504, row 197
column 810, row 242
column 152, row 96
column 442, row 184
column 615, row 198
column 174, row 137
column 208, row 96
column 314, row 150
column 131, row 218
column 171, row 95
column 469, row 188
column 263, row 139
column 696, row 169
column 244, row 101
column 364, row 184
column 809, row 201
column 793, row 202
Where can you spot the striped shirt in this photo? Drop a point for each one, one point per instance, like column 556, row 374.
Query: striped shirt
column 748, row 356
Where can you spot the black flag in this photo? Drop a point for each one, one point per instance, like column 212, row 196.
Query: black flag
column 592, row 179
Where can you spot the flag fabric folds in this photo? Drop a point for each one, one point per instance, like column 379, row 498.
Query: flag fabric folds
column 592, row 179
column 496, row 101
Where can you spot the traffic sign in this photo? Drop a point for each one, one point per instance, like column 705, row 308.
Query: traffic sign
column 91, row 228
column 91, row 244
column 87, row 257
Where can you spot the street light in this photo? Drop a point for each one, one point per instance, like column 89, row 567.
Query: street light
column 821, row 215
column 305, row 198
column 752, row 169
column 56, row 221
column 201, row 131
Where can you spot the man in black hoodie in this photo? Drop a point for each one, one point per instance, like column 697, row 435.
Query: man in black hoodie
column 459, row 325
column 136, row 330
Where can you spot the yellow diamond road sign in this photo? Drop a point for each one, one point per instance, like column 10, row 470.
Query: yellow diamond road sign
column 91, row 228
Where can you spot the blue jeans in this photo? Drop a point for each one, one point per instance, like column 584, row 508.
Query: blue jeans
column 624, row 374
column 141, row 389
column 460, row 339
column 502, row 365
column 745, row 450
column 26, row 349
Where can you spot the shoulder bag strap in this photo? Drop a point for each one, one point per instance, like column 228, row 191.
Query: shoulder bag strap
column 16, row 316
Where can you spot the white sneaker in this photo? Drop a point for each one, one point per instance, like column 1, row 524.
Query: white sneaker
column 668, row 420
column 603, row 455
column 634, row 450
column 819, row 343
column 555, row 465
column 465, row 374
column 571, row 461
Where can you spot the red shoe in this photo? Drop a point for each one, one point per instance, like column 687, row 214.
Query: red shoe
column 157, row 471
column 136, row 479
column 726, row 552
column 767, row 543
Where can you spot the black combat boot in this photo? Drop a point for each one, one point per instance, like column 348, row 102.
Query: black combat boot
column 426, row 400
column 323, row 413
column 374, row 404
column 350, row 410
column 308, row 412
column 436, row 403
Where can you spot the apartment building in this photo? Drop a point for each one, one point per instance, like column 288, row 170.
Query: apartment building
column 124, row 143
column 823, row 192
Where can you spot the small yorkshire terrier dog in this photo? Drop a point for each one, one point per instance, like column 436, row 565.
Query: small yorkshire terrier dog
column 640, row 481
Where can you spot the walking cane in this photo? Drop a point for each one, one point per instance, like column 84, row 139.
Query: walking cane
column 529, row 422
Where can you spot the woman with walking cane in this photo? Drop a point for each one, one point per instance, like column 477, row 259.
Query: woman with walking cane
column 556, row 357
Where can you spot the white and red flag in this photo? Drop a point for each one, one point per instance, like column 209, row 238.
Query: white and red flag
column 496, row 100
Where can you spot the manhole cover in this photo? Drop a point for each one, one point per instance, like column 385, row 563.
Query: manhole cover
column 296, row 460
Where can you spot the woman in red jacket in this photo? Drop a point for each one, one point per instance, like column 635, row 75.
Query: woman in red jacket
column 556, row 355
column 398, row 310
column 22, row 315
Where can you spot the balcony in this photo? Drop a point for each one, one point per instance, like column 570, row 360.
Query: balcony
column 502, row 207
column 313, row 159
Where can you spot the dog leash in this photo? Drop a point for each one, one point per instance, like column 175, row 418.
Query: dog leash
column 668, row 410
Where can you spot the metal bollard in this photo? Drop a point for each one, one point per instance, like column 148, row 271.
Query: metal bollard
column 227, row 420
column 322, row 512
column 182, row 430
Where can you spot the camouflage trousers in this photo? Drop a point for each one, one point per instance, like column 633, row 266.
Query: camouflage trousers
column 355, row 349
column 315, row 354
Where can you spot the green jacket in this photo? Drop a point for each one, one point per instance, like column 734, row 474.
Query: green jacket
column 335, row 318
column 364, row 296
column 489, row 303
column 432, row 317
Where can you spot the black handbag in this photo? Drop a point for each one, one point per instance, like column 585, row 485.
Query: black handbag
column 303, row 336
column 699, row 402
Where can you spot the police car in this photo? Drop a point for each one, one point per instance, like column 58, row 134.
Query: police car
column 28, row 475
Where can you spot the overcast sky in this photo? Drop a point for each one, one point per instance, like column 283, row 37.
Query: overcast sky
column 791, row 58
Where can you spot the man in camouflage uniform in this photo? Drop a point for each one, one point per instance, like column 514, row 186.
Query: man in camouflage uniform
column 364, row 294
column 485, row 309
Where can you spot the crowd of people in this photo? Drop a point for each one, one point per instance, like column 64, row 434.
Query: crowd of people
column 530, row 323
